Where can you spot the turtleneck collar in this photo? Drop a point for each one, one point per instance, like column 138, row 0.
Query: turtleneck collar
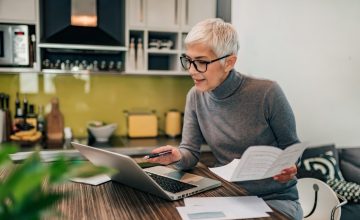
column 228, row 86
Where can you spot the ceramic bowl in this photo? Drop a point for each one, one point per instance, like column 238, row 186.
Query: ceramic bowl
column 102, row 133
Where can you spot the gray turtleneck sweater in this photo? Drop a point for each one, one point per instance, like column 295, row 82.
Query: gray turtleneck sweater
column 241, row 112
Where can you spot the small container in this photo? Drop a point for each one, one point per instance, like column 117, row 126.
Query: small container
column 103, row 132
column 173, row 119
column 142, row 125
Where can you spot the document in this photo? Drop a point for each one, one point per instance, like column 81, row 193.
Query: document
column 93, row 180
column 219, row 208
column 260, row 162
column 240, row 202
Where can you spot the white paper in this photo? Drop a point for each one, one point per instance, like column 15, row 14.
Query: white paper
column 260, row 162
column 226, row 171
column 93, row 180
column 29, row 83
column 203, row 213
column 216, row 208
column 240, row 203
column 47, row 156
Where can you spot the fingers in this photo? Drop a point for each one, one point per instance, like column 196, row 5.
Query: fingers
column 283, row 178
column 165, row 159
column 286, row 174
column 161, row 149
column 290, row 170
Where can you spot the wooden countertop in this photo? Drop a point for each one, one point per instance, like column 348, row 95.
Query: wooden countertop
column 113, row 200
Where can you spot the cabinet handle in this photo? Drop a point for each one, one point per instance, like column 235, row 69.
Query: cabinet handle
column 176, row 12
column 141, row 11
column 187, row 12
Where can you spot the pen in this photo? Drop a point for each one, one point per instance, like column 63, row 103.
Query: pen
column 158, row 154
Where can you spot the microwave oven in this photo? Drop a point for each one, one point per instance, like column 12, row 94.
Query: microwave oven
column 14, row 45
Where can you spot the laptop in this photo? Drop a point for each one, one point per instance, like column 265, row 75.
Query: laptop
column 160, row 181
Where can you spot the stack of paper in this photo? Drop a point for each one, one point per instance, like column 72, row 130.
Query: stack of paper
column 218, row 208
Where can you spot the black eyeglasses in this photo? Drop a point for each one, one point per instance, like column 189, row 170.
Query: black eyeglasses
column 200, row 65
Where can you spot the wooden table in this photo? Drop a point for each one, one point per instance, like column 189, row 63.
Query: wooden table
column 116, row 201
column 113, row 200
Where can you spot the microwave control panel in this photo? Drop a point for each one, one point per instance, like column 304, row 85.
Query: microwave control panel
column 20, row 35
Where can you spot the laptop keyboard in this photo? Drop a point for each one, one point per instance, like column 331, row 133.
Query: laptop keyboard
column 170, row 185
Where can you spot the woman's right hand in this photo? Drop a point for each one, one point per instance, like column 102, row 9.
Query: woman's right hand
column 166, row 159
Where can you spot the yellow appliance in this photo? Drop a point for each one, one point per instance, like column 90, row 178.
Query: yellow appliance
column 142, row 125
column 173, row 123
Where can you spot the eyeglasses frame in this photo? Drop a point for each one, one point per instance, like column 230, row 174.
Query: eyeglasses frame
column 206, row 62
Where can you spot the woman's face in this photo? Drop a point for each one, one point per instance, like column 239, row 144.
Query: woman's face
column 216, row 72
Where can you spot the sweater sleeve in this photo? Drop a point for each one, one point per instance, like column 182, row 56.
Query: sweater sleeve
column 192, row 137
column 280, row 116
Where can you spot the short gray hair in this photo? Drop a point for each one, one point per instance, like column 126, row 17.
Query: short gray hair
column 220, row 36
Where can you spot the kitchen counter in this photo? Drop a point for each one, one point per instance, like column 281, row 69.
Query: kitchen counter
column 135, row 147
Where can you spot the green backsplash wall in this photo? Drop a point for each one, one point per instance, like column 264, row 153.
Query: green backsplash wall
column 105, row 97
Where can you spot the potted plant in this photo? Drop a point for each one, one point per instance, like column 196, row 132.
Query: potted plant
column 26, row 189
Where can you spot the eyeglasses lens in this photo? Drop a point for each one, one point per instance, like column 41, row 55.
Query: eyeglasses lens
column 185, row 62
column 199, row 65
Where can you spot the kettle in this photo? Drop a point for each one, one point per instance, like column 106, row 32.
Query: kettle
column 173, row 123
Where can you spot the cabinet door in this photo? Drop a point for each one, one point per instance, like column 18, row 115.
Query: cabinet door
column 194, row 11
column 163, row 14
column 18, row 11
column 136, row 13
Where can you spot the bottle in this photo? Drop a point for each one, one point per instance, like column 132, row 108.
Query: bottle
column 8, row 121
column 54, row 124
column 18, row 118
column 118, row 66
column 31, row 116
column 131, row 57
column 18, row 110
column 22, row 124
column 2, row 118
column 41, row 120
column 25, row 108
column 139, row 55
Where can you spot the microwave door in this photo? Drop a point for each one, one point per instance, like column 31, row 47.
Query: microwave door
column 6, row 46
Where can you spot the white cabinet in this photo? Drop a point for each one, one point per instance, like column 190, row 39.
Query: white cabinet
column 162, row 13
column 136, row 13
column 161, row 25
column 18, row 11
column 194, row 11
column 169, row 14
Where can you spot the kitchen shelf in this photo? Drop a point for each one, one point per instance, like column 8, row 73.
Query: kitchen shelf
column 19, row 69
column 62, row 58
column 156, row 72
column 82, row 47
column 162, row 51
column 87, row 72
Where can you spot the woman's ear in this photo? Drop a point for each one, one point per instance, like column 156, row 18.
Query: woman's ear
column 230, row 63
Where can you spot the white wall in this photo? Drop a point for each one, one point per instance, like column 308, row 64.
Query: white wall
column 312, row 48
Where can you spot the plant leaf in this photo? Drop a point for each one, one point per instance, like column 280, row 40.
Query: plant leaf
column 5, row 151
column 25, row 178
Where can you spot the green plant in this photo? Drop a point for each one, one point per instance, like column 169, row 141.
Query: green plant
column 26, row 191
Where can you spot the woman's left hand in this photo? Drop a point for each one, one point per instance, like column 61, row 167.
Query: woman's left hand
column 286, row 174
